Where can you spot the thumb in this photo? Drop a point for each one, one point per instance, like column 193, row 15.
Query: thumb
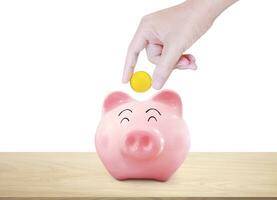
column 169, row 58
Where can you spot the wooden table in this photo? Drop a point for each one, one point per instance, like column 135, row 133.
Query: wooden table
column 82, row 176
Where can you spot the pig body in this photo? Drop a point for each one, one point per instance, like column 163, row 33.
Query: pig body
column 142, row 140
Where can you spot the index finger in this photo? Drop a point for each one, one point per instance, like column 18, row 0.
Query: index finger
column 137, row 44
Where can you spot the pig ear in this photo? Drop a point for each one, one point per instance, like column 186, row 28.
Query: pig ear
column 171, row 99
column 115, row 99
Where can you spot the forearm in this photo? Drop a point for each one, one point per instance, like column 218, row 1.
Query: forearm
column 211, row 8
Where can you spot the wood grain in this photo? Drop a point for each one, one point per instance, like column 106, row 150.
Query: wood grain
column 82, row 176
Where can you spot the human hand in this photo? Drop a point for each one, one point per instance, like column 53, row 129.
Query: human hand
column 168, row 33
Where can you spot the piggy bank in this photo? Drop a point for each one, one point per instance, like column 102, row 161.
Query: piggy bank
column 142, row 139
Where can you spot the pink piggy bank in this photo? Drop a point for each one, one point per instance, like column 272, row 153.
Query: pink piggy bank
column 142, row 139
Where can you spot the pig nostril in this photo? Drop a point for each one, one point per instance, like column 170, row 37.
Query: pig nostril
column 130, row 141
column 145, row 141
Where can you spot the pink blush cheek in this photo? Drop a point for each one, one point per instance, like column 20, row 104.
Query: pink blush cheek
column 104, row 141
column 174, row 133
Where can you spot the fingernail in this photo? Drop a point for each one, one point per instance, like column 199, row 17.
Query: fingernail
column 123, row 80
column 157, row 83
column 125, row 77
column 184, row 62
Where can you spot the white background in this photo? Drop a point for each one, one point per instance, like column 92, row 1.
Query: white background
column 59, row 59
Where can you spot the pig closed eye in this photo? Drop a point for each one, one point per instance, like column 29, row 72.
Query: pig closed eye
column 125, row 118
column 153, row 110
column 152, row 117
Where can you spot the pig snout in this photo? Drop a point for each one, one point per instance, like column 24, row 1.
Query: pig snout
column 142, row 145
